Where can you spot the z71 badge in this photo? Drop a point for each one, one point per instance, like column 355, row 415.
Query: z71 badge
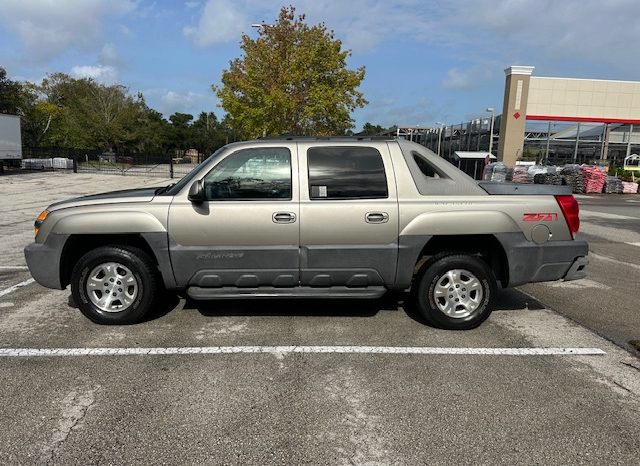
column 541, row 217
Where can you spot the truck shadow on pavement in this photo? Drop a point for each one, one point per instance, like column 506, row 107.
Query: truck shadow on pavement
column 506, row 300
column 509, row 299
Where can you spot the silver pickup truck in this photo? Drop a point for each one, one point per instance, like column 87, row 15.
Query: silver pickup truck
column 311, row 218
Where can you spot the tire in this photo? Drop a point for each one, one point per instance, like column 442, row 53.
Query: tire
column 455, row 291
column 114, row 285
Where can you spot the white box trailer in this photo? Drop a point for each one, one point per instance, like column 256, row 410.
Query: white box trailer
column 10, row 139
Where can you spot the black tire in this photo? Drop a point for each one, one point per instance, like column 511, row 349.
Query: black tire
column 434, row 274
column 142, row 270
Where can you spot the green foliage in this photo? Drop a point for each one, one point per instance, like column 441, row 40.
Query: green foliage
column 369, row 129
column 10, row 94
column 66, row 112
column 624, row 175
column 293, row 79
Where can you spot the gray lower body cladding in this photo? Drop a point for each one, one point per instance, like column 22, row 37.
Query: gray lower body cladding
column 284, row 265
column 554, row 260
column 43, row 260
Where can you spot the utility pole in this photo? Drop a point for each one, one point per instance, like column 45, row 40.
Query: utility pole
column 440, row 126
column 493, row 115
column 546, row 155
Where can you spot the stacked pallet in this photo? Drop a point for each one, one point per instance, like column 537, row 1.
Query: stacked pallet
column 613, row 185
column 519, row 174
column 629, row 187
column 495, row 171
column 547, row 178
column 62, row 163
column 593, row 179
column 572, row 176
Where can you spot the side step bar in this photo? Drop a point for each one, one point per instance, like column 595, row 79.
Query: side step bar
column 334, row 292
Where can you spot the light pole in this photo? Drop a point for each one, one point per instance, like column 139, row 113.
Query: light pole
column 440, row 126
column 493, row 115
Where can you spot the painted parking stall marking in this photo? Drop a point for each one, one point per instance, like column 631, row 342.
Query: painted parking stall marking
column 220, row 350
column 13, row 288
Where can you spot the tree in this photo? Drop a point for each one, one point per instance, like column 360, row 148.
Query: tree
column 207, row 133
column 293, row 79
column 180, row 131
column 369, row 129
column 10, row 94
column 83, row 113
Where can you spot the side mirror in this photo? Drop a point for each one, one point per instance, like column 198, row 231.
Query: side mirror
column 196, row 192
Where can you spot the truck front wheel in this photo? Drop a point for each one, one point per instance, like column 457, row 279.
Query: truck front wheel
column 114, row 284
column 455, row 291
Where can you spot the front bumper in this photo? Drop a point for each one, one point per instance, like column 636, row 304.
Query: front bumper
column 43, row 260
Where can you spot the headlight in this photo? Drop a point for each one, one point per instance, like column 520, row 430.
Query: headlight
column 41, row 218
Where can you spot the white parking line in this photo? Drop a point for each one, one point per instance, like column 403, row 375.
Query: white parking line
column 31, row 352
column 634, row 244
column 615, row 261
column 13, row 288
column 14, row 267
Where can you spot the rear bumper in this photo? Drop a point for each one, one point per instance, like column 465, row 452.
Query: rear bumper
column 554, row 260
column 43, row 260
column 576, row 271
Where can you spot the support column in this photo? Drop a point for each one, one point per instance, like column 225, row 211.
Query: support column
column 514, row 113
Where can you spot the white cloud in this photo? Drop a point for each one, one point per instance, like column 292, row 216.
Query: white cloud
column 128, row 33
column 168, row 101
column 457, row 79
column 387, row 112
column 468, row 78
column 105, row 71
column 221, row 21
column 507, row 31
column 109, row 55
column 46, row 28
column 191, row 4
column 102, row 73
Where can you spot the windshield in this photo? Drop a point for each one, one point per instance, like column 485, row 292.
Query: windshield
column 186, row 179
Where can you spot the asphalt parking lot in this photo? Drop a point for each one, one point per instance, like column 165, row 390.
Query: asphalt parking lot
column 321, row 382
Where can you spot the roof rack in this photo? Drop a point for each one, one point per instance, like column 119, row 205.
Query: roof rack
column 326, row 138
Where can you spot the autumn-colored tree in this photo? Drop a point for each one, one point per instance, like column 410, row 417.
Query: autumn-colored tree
column 292, row 79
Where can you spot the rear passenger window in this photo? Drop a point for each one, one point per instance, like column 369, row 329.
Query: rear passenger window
column 425, row 167
column 346, row 173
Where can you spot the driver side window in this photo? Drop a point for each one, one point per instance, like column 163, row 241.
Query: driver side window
column 251, row 174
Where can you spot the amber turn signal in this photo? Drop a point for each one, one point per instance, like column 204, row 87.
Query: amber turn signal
column 41, row 218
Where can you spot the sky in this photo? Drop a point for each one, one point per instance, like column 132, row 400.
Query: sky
column 426, row 61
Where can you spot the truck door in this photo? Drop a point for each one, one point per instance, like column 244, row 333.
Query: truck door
column 348, row 215
column 246, row 232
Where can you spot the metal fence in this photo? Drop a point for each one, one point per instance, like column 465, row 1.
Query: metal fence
column 96, row 161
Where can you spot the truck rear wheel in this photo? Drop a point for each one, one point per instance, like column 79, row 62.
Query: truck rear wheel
column 114, row 285
column 455, row 291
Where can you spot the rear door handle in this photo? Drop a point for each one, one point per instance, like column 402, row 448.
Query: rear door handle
column 376, row 217
column 283, row 217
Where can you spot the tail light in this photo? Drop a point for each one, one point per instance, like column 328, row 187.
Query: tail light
column 571, row 212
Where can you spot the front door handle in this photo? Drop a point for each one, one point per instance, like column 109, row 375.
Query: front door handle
column 376, row 217
column 283, row 217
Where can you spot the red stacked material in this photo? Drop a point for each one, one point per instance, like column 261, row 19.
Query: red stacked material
column 629, row 187
column 593, row 179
